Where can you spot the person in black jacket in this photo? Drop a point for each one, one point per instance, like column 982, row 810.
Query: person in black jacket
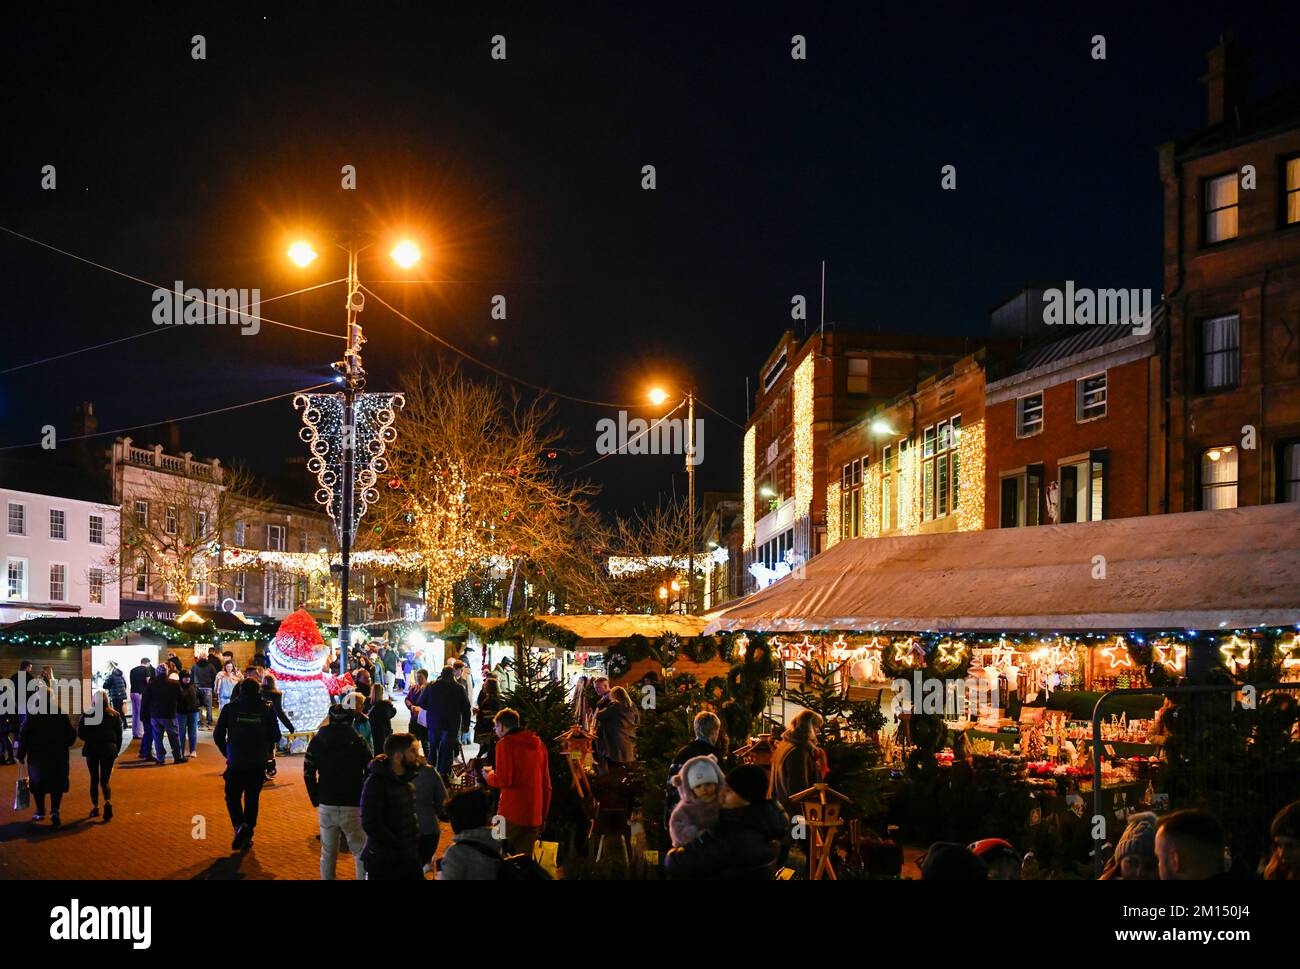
column 380, row 714
column 751, row 839
column 187, row 715
column 161, row 703
column 246, row 734
column 335, row 769
column 100, row 730
column 141, row 729
column 392, row 851
column 205, row 678
column 271, row 694
column 447, row 713
column 115, row 684
column 43, row 742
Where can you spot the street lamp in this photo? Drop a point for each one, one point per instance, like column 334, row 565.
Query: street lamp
column 334, row 422
column 657, row 396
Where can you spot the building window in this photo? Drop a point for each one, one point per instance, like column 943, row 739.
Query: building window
column 58, row 525
column 200, row 525
column 17, row 518
column 96, row 529
column 1220, row 352
column 279, row 590
column 851, row 498
column 1022, row 497
column 1292, row 184
column 1083, row 489
column 1029, row 415
column 142, row 575
column 238, row 586
column 96, row 579
column 275, row 538
column 169, row 523
column 1219, row 478
column 58, row 582
column 859, row 377
column 1288, row 471
column 16, row 579
column 886, row 487
column 239, row 533
column 1220, row 208
column 1090, row 397
column 939, row 470
column 141, row 513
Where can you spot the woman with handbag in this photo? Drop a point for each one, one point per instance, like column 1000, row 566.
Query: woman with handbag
column 100, row 731
column 43, row 743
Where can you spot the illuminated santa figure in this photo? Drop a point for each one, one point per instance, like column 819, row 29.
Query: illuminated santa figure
column 298, row 655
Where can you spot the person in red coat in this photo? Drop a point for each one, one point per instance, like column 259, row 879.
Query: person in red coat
column 522, row 774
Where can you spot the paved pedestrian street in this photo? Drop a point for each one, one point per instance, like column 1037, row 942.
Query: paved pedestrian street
column 168, row 822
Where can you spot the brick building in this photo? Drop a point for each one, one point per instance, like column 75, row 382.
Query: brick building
column 807, row 391
column 1232, row 279
column 913, row 465
column 1073, row 430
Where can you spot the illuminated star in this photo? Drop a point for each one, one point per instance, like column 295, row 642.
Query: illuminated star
column 951, row 653
column 1118, row 656
column 1236, row 653
column 1172, row 656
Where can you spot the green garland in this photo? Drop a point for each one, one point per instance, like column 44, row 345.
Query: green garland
column 206, row 632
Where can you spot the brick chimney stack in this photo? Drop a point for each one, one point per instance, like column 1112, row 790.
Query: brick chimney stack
column 1226, row 81
column 84, row 421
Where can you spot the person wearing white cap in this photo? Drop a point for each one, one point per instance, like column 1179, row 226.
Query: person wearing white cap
column 698, row 782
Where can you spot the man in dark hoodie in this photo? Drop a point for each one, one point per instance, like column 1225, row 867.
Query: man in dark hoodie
column 204, row 675
column 388, row 815
column 335, row 770
column 246, row 734
column 751, row 839
column 161, row 701
column 448, row 713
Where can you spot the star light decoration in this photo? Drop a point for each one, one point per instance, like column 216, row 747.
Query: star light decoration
column 950, row 653
column 1118, row 655
column 325, row 423
column 909, row 652
column 1236, row 653
column 1171, row 655
column 1289, row 650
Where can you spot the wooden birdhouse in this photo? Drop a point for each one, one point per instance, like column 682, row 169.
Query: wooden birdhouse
column 575, row 740
column 820, row 806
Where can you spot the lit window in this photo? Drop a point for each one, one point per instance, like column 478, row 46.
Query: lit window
column 1219, row 478
column 96, row 578
column 1221, row 208
column 1083, row 489
column 1029, row 415
column 1090, row 397
column 16, row 579
column 142, row 575
column 170, row 523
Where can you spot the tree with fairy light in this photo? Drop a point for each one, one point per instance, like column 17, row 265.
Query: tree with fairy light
column 475, row 491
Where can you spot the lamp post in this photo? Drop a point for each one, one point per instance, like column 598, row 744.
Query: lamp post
column 657, row 397
column 352, row 377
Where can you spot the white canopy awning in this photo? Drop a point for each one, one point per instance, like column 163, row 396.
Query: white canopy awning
column 1196, row 570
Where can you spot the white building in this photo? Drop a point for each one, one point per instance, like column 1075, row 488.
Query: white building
column 55, row 553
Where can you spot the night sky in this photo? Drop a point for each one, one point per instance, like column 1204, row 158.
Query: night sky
column 523, row 178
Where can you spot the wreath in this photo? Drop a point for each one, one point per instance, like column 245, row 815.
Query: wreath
column 618, row 663
column 637, row 647
column 665, row 649
column 699, row 649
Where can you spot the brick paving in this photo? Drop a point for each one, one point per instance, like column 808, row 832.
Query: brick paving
column 168, row 822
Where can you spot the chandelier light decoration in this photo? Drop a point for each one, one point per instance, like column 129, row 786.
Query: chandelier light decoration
column 324, row 417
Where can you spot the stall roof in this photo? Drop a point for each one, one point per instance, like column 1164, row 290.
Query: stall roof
column 1195, row 570
column 590, row 628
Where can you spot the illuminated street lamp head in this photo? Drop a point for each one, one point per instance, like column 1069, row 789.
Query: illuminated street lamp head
column 663, row 592
column 657, row 396
column 302, row 254
column 881, row 428
column 406, row 253
column 767, row 492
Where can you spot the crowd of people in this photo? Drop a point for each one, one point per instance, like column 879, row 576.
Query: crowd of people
column 386, row 792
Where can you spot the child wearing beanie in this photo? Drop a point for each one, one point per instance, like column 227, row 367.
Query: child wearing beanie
column 1135, row 855
column 698, row 782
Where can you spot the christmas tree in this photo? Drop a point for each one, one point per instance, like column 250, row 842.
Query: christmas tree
column 298, row 655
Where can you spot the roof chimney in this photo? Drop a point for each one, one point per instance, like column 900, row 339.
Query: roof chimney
column 1225, row 81
column 84, row 421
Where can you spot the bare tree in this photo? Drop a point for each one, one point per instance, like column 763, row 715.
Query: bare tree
column 648, row 556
